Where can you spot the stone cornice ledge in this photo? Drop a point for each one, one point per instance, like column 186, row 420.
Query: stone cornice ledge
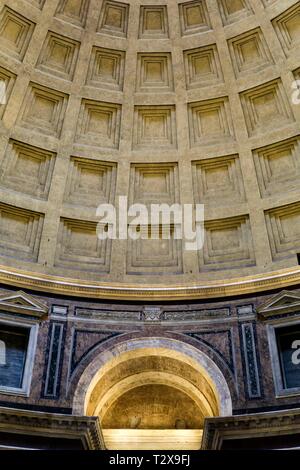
column 84, row 428
column 101, row 290
column 218, row 430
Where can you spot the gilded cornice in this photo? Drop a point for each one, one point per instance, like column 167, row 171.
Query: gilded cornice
column 121, row 291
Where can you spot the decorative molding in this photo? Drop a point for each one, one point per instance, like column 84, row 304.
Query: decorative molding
column 23, row 304
column 250, row 361
column 84, row 428
column 59, row 310
column 151, row 314
column 218, row 430
column 191, row 316
column 245, row 310
column 107, row 315
column 279, row 304
column 54, row 360
column 104, row 290
column 164, row 316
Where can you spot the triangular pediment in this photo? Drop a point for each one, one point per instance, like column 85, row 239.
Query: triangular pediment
column 23, row 303
column 283, row 302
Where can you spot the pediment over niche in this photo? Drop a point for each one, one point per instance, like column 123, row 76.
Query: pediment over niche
column 22, row 303
column 281, row 303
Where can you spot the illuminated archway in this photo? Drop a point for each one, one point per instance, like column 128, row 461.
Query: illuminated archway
column 152, row 393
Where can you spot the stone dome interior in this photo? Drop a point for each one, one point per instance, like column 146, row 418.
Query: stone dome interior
column 161, row 101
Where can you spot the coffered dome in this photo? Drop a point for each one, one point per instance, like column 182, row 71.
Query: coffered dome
column 160, row 101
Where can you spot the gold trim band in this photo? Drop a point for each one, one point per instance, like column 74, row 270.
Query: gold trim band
column 213, row 289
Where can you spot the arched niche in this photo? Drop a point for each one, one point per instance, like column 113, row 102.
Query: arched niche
column 150, row 386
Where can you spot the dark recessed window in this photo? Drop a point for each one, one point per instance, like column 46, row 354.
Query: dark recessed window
column 13, row 351
column 288, row 342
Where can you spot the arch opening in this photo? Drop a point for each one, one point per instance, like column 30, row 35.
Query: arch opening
column 152, row 394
